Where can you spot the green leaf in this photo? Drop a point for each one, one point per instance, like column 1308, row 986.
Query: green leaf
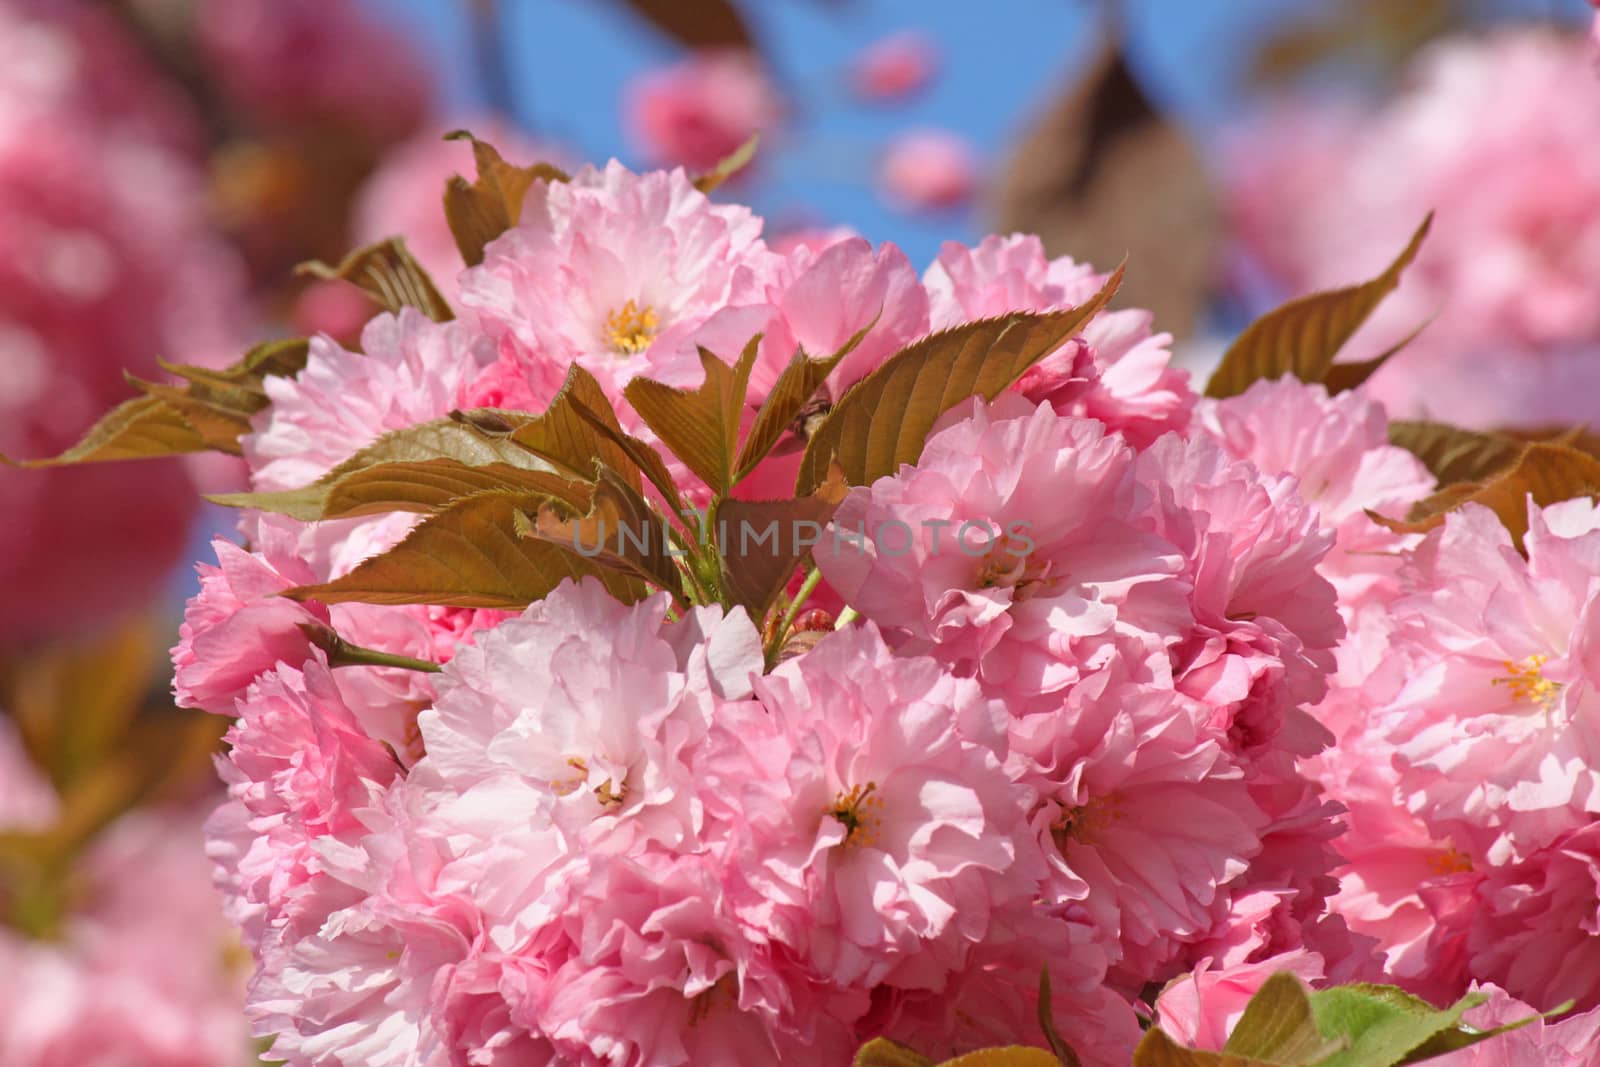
column 390, row 275
column 620, row 530
column 211, row 409
column 700, row 427
column 795, row 388
column 769, row 539
column 1278, row 1026
column 1382, row 1030
column 469, row 555
column 481, row 210
column 1453, row 454
column 1452, row 1040
column 881, row 1052
column 729, row 165
column 884, row 420
column 1303, row 336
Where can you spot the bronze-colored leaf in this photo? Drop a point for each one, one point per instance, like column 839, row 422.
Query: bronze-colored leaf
column 620, row 530
column 135, row 429
column 1366, row 31
column 696, row 23
column 210, row 409
column 1009, row 1056
column 1342, row 377
column 796, row 386
column 1156, row 1049
column 481, row 210
column 566, row 435
column 881, row 1052
column 883, row 421
column 729, row 165
column 1547, row 473
column 762, row 542
column 1103, row 176
column 642, row 456
column 1455, row 455
column 390, row 275
column 1302, row 337
column 701, row 426
column 469, row 555
column 450, row 453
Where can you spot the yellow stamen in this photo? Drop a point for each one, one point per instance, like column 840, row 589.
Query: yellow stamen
column 857, row 811
column 610, row 796
column 1449, row 861
column 563, row 786
column 631, row 328
column 1528, row 684
column 1007, row 567
column 1084, row 822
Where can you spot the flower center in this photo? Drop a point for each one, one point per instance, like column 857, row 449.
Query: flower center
column 1528, row 684
column 1083, row 822
column 630, row 328
column 1006, row 566
column 857, row 812
column 1449, row 861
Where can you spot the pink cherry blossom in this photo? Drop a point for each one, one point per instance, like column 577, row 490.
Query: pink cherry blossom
column 699, row 111
column 1133, row 387
column 929, row 170
column 1143, row 816
column 1538, row 920
column 1494, row 134
column 1041, row 555
column 299, row 767
column 1491, row 732
column 1338, row 449
column 1266, row 622
column 615, row 271
column 877, row 832
column 410, row 369
column 895, row 67
column 1201, row 1008
column 1564, row 1041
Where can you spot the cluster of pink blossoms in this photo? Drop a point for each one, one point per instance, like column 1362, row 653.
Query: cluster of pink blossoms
column 605, row 834
column 1494, row 134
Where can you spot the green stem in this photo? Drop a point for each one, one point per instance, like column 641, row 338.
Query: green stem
column 781, row 634
column 342, row 653
column 846, row 617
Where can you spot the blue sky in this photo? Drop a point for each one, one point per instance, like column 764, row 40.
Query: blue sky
column 571, row 59
column 1003, row 58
